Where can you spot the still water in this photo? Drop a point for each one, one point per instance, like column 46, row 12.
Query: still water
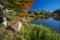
column 50, row 22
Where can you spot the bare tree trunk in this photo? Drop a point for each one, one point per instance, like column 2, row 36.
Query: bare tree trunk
column 3, row 16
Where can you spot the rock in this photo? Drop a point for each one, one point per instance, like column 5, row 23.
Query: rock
column 17, row 26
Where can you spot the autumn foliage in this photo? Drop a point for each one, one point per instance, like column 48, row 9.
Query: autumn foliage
column 26, row 3
column 19, row 4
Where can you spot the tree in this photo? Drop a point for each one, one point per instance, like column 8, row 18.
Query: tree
column 17, row 5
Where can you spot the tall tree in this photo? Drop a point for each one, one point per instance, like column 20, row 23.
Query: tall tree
column 17, row 5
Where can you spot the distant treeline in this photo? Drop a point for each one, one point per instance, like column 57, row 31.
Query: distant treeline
column 39, row 14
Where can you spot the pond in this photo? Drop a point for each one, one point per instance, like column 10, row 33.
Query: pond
column 50, row 22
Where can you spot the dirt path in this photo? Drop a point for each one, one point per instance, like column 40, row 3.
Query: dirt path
column 2, row 30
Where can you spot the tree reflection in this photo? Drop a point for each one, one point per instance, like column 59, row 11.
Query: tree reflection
column 56, row 18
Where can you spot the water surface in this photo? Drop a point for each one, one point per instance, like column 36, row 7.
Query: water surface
column 50, row 22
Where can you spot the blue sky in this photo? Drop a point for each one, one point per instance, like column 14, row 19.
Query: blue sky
column 47, row 5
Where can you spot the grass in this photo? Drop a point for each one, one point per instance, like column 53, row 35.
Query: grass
column 36, row 32
column 6, row 36
column 32, row 32
column 1, row 25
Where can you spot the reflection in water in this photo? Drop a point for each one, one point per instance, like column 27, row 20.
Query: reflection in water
column 41, row 17
column 56, row 18
column 50, row 22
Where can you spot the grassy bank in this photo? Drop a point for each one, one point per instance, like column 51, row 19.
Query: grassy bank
column 36, row 32
column 31, row 32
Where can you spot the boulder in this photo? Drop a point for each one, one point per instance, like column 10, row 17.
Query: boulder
column 17, row 26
